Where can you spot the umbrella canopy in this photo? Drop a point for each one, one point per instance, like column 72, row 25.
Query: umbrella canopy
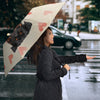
column 27, row 33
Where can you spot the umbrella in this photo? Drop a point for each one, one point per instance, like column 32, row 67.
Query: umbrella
column 27, row 33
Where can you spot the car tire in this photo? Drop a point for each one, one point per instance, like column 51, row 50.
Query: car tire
column 68, row 45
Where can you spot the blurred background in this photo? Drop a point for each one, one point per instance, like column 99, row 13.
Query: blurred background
column 83, row 37
column 83, row 12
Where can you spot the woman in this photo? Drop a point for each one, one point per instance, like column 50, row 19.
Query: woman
column 50, row 67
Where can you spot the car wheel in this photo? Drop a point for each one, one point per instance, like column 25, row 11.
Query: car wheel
column 68, row 44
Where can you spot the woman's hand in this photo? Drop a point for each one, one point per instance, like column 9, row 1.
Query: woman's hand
column 67, row 67
column 88, row 57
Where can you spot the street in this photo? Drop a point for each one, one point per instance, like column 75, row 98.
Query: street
column 84, row 82
column 85, row 77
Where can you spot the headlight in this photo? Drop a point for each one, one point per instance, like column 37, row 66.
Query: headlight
column 8, row 34
column 77, row 38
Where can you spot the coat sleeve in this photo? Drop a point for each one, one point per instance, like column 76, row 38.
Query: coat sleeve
column 70, row 59
column 45, row 62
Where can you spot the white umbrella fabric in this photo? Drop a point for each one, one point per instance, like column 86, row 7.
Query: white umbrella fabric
column 36, row 22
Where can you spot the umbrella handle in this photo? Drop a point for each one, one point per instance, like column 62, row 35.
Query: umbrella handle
column 69, row 75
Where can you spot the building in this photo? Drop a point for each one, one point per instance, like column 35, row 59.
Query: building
column 71, row 9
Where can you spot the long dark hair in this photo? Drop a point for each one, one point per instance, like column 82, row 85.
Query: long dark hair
column 36, row 49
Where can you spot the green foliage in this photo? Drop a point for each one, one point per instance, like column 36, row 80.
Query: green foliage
column 96, row 3
column 13, row 11
column 92, row 13
column 10, row 13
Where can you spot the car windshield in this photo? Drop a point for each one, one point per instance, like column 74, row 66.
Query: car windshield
column 56, row 31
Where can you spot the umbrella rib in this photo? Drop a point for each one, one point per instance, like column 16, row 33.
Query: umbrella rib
column 18, row 73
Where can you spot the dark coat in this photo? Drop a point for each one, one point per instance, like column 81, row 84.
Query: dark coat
column 70, row 27
column 49, row 71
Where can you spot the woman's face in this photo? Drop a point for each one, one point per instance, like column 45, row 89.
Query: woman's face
column 48, row 39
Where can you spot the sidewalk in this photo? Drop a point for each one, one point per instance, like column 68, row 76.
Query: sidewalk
column 85, row 35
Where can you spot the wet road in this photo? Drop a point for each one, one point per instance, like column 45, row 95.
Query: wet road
column 85, row 77
column 84, row 82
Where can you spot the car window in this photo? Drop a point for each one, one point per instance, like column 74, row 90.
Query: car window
column 55, row 32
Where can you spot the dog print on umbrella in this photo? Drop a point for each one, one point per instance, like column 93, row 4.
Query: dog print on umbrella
column 19, row 34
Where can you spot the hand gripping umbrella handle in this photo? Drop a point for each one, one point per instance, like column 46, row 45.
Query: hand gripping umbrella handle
column 69, row 70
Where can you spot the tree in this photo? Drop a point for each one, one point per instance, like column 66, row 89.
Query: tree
column 91, row 13
column 13, row 11
column 97, row 5
column 9, row 16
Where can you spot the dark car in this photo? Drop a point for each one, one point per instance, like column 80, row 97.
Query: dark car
column 60, row 39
